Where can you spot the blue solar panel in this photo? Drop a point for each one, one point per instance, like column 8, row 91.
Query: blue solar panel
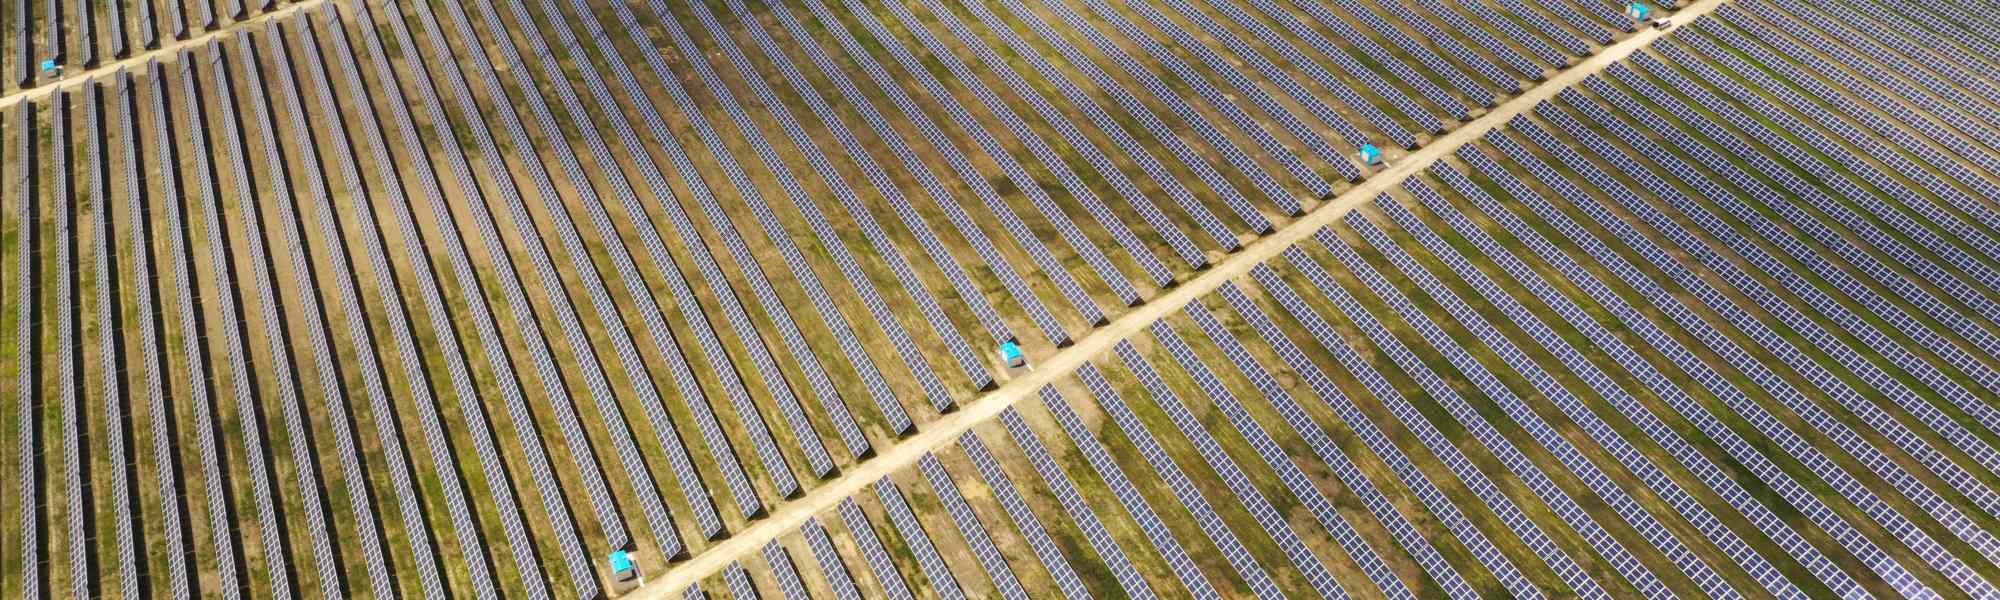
column 433, row 297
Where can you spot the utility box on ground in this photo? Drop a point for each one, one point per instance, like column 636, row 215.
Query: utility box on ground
column 1010, row 352
column 625, row 575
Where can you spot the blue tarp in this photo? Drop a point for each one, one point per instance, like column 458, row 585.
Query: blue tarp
column 621, row 562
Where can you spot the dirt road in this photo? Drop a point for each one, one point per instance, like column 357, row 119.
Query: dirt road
column 937, row 434
column 166, row 51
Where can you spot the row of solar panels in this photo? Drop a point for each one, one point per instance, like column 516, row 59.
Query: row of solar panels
column 1773, row 292
column 579, row 443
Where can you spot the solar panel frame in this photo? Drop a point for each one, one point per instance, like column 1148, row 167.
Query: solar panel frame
column 1905, row 397
column 1176, row 479
column 1259, row 178
column 780, row 563
column 861, row 214
column 830, row 566
column 1917, row 540
column 276, row 557
column 970, row 529
column 427, row 182
column 886, row 574
column 1079, row 510
column 1661, row 299
column 145, row 303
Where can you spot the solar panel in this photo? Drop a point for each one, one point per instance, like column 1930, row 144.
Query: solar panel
column 780, row 563
column 1569, row 40
column 1491, row 439
column 761, row 359
column 1831, row 239
column 1079, row 510
column 1781, row 482
column 192, row 348
column 917, row 167
column 152, row 358
column 774, row 230
column 1177, row 480
column 1409, row 45
column 1948, row 428
column 1947, row 220
column 230, row 321
column 1111, row 127
column 1080, row 192
column 1875, row 98
column 1578, row 20
column 1638, row 575
column 390, row 302
column 579, row 254
column 1189, row 157
column 333, row 396
column 1608, row 389
column 68, row 373
column 388, row 434
column 1283, row 80
column 919, row 542
column 539, row 353
column 1428, row 493
column 878, row 559
column 1344, row 30
column 970, row 529
column 1110, row 274
column 828, row 558
column 1135, row 504
column 1244, row 122
column 739, row 582
column 1507, row 54
column 489, row 456
column 1659, row 383
column 1247, row 494
column 862, row 214
column 1908, row 534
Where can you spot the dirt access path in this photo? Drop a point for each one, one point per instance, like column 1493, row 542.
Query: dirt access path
column 166, row 51
column 1049, row 369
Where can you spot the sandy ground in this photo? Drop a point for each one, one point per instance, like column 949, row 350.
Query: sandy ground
column 169, row 48
column 1049, row 369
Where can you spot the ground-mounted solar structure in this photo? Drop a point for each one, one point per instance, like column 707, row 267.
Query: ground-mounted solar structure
column 999, row 298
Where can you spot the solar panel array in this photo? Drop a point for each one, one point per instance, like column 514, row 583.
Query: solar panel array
column 1720, row 320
